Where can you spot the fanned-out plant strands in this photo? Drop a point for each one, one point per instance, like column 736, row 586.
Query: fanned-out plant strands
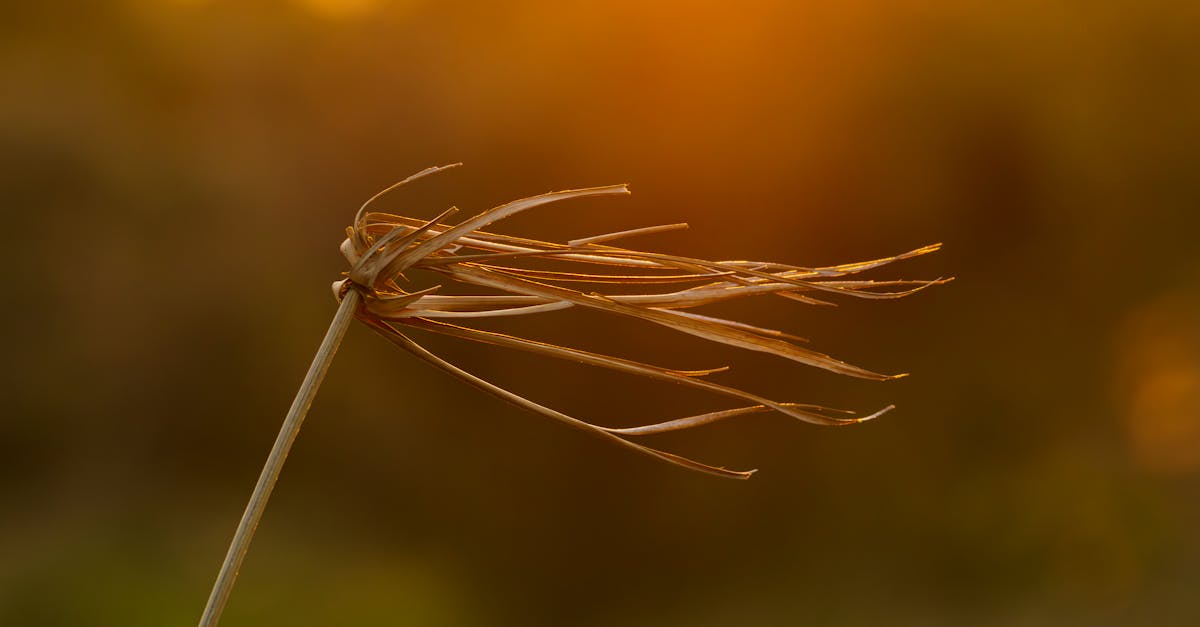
column 407, row 344
column 384, row 248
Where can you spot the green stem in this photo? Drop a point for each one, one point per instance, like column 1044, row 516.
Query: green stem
column 279, row 452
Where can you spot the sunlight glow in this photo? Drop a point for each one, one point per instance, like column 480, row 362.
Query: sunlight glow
column 342, row 8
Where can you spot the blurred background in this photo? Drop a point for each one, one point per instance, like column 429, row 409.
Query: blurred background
column 177, row 174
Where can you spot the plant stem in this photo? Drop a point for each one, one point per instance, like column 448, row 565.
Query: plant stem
column 279, row 452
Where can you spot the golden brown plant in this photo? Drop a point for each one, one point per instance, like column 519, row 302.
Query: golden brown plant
column 383, row 247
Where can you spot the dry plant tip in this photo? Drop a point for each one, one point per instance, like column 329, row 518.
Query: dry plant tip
column 380, row 246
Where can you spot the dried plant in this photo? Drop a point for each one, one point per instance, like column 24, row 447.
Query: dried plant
column 382, row 248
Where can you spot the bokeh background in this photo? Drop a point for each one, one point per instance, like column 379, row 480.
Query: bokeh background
column 176, row 176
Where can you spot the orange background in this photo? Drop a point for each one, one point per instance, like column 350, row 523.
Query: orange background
column 177, row 176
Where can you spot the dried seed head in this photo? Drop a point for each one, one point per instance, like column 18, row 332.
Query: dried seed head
column 381, row 247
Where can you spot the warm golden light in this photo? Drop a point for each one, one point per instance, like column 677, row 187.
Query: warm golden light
column 1160, row 373
column 178, row 172
column 342, row 8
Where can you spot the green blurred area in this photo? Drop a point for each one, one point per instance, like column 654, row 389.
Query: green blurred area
column 177, row 176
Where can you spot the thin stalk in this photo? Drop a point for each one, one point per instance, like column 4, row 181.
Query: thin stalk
column 279, row 452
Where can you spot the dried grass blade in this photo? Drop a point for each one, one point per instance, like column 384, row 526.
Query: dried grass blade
column 499, row 213
column 579, row 277
column 358, row 216
column 715, row 332
column 430, row 262
column 646, row 230
column 373, row 262
column 806, row 413
column 862, row 289
column 754, row 278
column 807, row 300
column 552, row 350
column 486, row 313
column 472, row 303
column 385, row 305
column 498, row 243
column 392, row 267
column 416, row 349
column 846, row 268
column 689, row 422
column 742, row 325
